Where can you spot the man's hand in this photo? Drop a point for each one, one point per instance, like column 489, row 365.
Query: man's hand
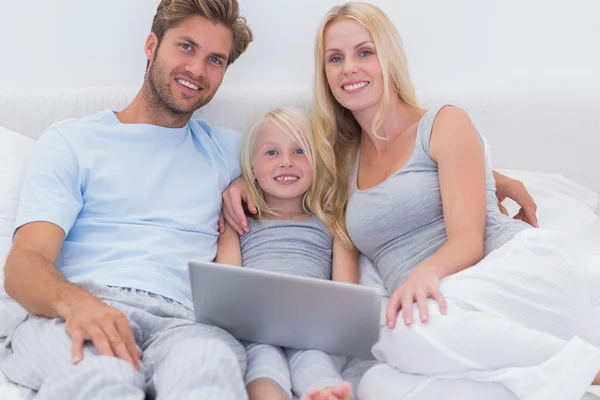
column 515, row 190
column 107, row 328
column 233, row 211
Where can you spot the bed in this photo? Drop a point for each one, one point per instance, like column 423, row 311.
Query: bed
column 550, row 141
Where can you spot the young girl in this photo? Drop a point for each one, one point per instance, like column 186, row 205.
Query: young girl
column 291, row 233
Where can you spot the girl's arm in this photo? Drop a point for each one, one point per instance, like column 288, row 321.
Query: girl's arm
column 458, row 151
column 345, row 263
column 228, row 247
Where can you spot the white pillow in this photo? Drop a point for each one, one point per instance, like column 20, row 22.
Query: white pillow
column 14, row 151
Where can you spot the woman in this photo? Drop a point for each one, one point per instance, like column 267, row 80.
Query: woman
column 417, row 196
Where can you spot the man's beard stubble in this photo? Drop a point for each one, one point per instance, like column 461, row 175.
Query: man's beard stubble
column 161, row 97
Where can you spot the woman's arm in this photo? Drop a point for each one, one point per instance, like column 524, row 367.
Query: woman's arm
column 345, row 263
column 458, row 151
column 228, row 247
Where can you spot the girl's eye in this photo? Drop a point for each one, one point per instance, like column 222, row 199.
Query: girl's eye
column 299, row 151
column 270, row 152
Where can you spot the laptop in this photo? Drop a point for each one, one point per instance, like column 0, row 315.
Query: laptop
column 286, row 310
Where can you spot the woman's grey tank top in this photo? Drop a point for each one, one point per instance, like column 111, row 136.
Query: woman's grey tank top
column 399, row 223
column 292, row 247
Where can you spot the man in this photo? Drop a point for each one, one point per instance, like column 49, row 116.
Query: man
column 113, row 206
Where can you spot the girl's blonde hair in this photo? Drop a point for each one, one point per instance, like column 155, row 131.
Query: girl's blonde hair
column 334, row 123
column 297, row 124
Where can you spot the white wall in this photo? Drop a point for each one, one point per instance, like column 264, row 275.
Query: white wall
column 451, row 45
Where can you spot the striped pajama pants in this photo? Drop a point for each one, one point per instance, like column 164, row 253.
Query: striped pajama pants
column 181, row 358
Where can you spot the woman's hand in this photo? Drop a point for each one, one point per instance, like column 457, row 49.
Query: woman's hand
column 422, row 284
column 233, row 211
column 515, row 190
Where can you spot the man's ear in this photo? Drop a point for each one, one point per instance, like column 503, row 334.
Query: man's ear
column 151, row 46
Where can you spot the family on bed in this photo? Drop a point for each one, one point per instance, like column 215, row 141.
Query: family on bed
column 114, row 205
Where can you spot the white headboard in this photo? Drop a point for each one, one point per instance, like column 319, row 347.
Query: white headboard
column 546, row 132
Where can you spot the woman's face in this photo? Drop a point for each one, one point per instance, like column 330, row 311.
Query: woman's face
column 352, row 66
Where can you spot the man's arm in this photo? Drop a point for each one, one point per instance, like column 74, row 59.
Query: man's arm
column 51, row 199
column 515, row 190
column 30, row 276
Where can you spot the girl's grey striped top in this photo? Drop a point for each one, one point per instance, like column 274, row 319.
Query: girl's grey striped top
column 300, row 248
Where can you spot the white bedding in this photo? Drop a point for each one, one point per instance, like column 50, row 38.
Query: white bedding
column 529, row 132
column 562, row 205
column 10, row 313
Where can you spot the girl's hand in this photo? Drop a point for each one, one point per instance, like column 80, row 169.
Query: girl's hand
column 422, row 284
column 233, row 211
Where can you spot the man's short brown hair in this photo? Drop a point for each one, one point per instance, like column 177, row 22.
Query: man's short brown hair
column 170, row 13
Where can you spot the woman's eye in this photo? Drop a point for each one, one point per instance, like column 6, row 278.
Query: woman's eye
column 335, row 59
column 365, row 53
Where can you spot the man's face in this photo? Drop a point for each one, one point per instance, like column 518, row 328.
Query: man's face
column 188, row 66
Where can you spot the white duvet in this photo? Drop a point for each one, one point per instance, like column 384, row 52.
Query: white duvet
column 562, row 206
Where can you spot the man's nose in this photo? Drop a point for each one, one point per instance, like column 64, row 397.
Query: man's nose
column 197, row 68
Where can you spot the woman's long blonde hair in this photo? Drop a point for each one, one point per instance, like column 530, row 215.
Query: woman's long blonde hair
column 335, row 124
column 297, row 124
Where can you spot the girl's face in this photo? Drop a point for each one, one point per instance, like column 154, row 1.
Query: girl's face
column 280, row 165
column 352, row 66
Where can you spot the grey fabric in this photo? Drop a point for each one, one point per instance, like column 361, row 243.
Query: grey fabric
column 300, row 248
column 181, row 358
column 266, row 361
column 400, row 223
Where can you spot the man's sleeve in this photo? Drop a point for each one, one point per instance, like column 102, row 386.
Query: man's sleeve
column 51, row 190
column 233, row 139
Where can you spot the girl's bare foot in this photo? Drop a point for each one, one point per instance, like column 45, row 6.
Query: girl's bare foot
column 342, row 392
column 596, row 380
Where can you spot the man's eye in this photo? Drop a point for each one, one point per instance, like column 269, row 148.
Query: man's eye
column 215, row 60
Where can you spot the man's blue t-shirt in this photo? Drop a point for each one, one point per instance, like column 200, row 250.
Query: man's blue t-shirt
column 136, row 201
